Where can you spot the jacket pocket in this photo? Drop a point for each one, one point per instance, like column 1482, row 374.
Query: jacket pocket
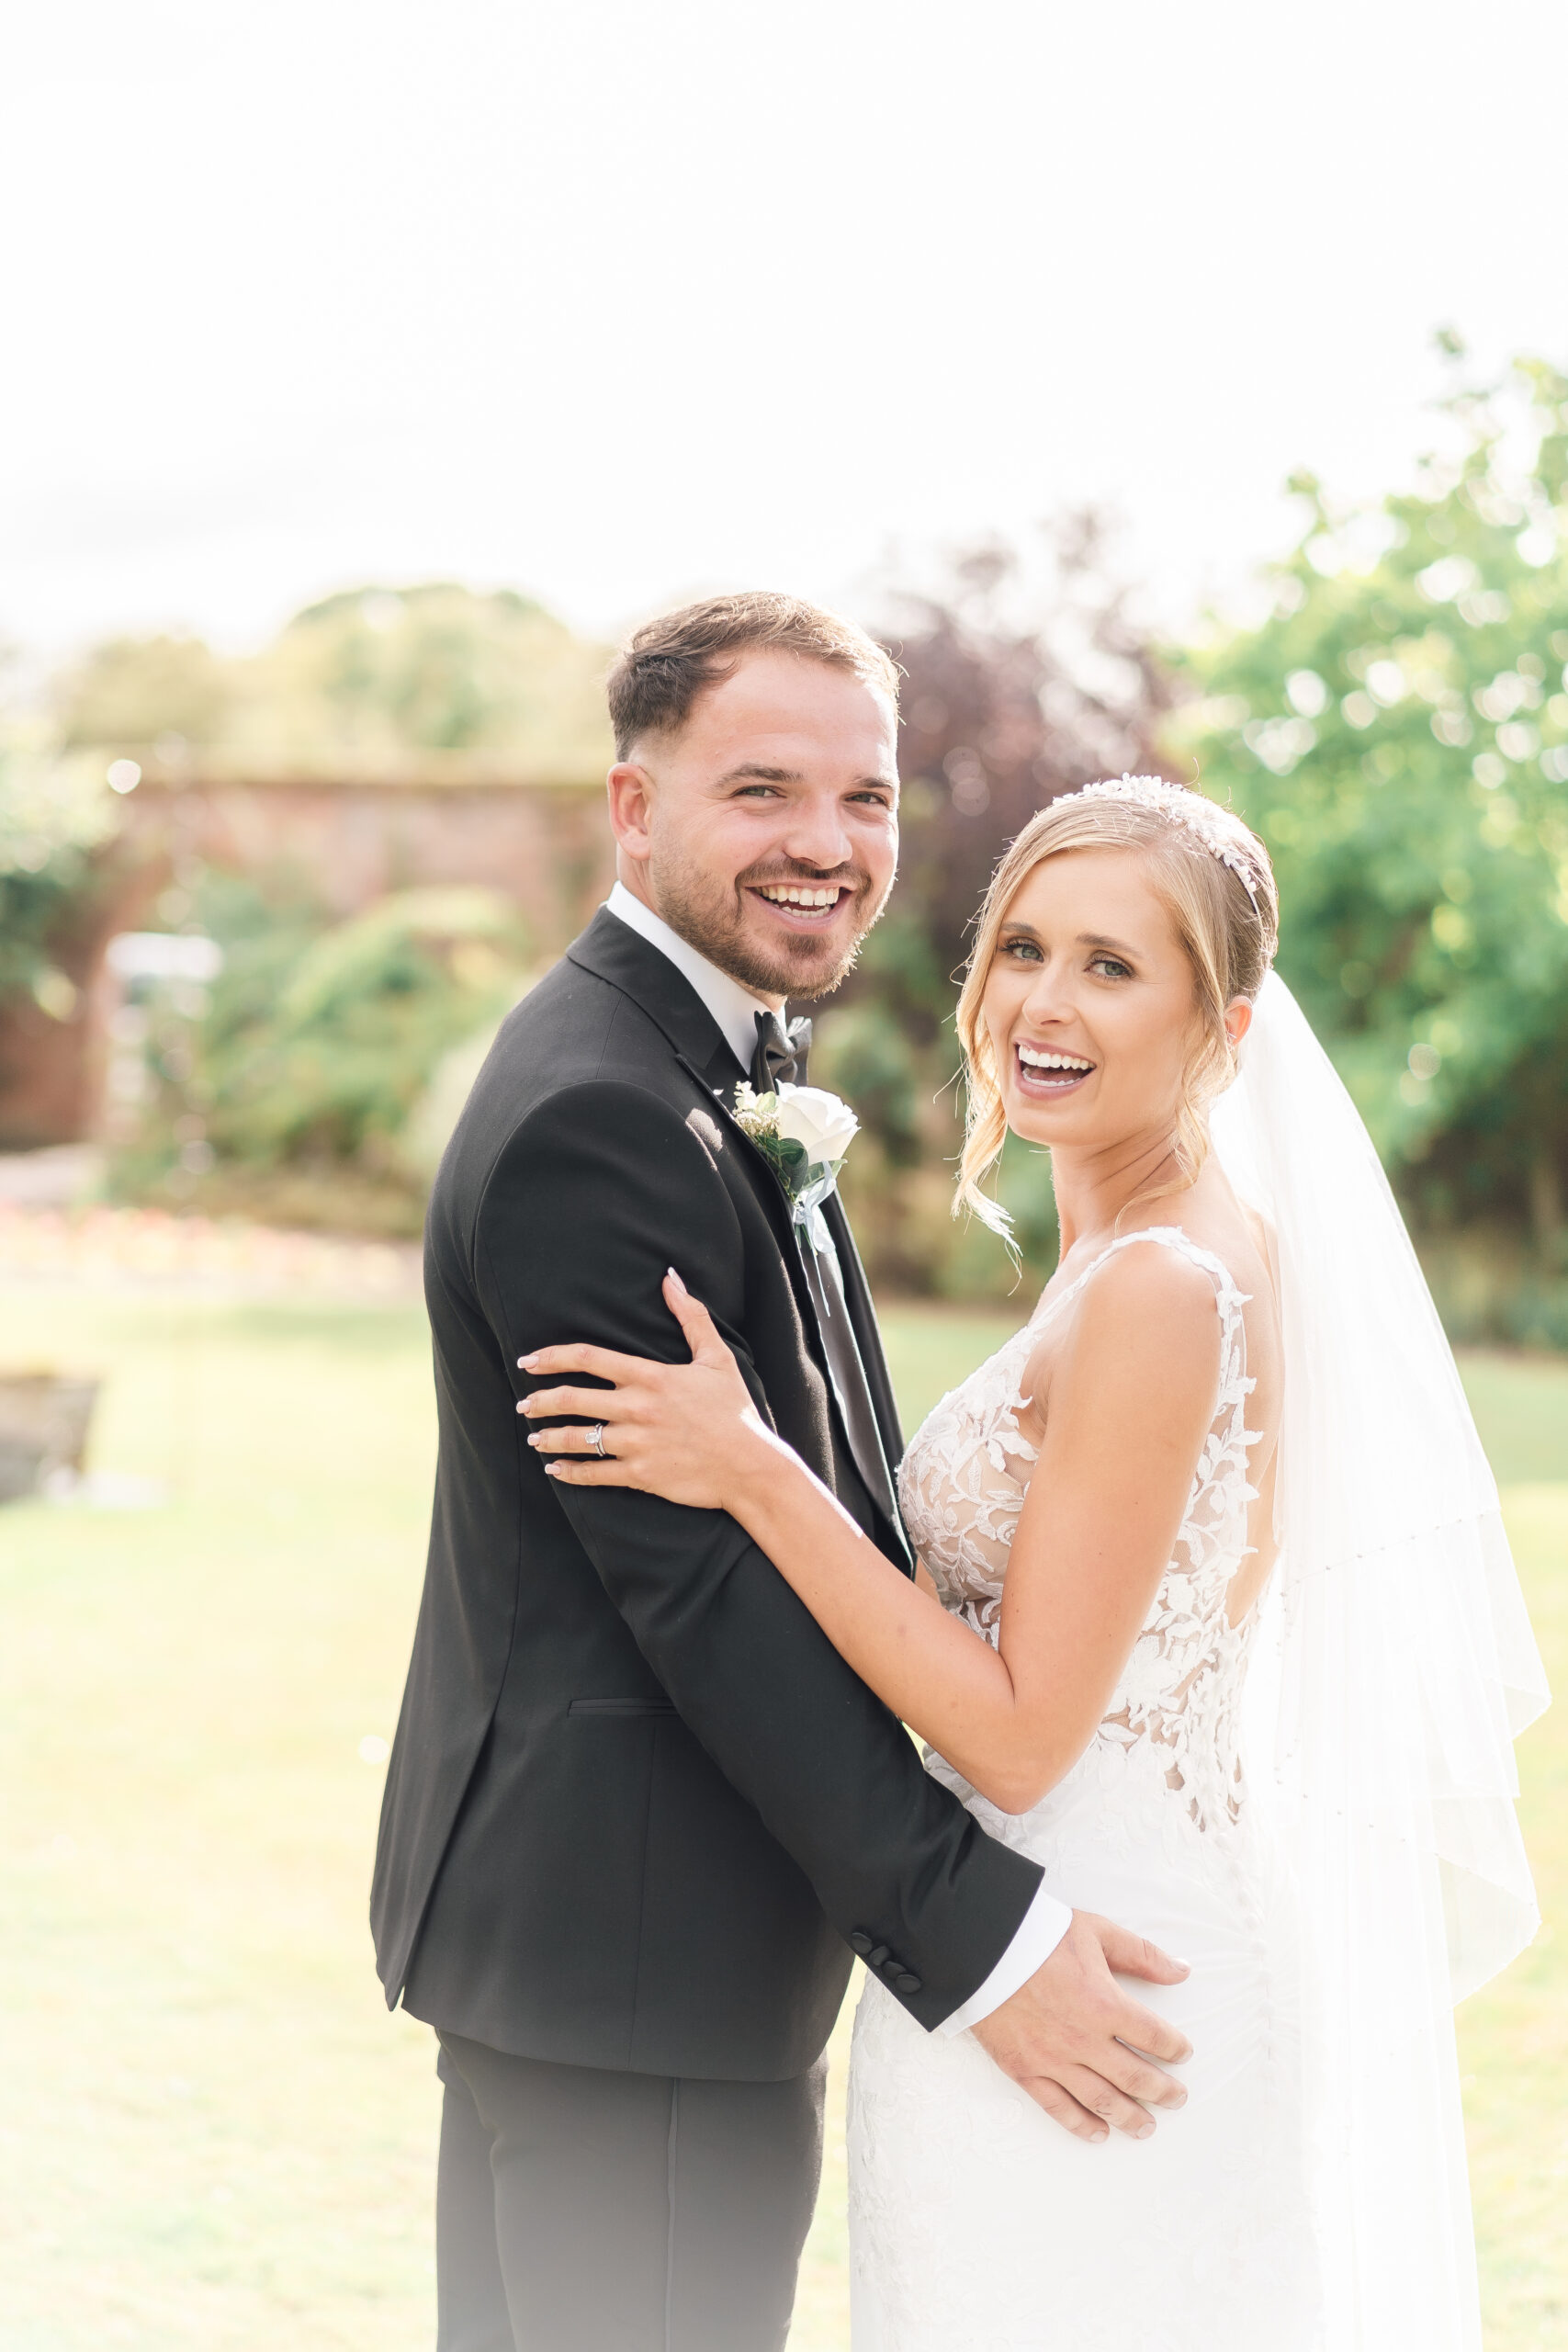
column 621, row 1707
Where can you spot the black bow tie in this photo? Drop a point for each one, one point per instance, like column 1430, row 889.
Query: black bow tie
column 780, row 1057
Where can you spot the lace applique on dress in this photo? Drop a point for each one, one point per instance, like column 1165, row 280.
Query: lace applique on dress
column 962, row 1486
column 976, row 2224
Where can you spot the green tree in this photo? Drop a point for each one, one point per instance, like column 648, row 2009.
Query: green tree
column 374, row 673
column 1396, row 727
column 362, row 680
column 133, row 690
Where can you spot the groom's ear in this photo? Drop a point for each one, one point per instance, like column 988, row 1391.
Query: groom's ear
column 630, row 789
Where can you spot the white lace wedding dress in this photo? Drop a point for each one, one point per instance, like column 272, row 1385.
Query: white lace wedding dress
column 976, row 2224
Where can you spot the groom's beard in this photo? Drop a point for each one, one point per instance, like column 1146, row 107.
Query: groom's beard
column 717, row 919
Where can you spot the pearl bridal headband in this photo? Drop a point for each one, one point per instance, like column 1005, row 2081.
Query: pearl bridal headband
column 1205, row 820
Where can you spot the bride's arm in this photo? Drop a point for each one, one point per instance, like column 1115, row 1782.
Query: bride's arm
column 1131, row 1402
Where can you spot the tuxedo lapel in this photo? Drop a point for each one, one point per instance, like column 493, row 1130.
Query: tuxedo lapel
column 857, row 1412
column 874, row 1450
column 868, row 1337
column 770, row 1192
column 614, row 952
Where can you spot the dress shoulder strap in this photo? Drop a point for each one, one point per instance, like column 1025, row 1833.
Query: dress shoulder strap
column 1228, row 1296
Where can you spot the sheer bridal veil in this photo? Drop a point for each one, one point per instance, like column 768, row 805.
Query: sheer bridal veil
column 1397, row 1667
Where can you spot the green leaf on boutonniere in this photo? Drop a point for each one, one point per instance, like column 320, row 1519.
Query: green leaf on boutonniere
column 785, row 1156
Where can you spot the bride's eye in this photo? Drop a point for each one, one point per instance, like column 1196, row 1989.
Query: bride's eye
column 1110, row 967
column 1023, row 951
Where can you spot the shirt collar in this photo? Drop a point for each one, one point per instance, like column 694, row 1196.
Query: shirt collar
column 734, row 1008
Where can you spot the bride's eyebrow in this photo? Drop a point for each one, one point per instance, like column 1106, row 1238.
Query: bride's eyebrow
column 1112, row 946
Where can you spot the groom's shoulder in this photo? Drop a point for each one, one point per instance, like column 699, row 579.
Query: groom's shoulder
column 577, row 1055
column 572, row 1027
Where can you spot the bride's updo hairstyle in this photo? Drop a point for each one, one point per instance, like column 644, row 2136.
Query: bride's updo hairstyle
column 1213, row 876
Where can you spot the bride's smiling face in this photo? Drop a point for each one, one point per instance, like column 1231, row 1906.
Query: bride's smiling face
column 1090, row 1003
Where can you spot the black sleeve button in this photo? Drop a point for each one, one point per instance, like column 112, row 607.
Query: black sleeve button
column 875, row 1958
column 905, row 1983
column 860, row 1941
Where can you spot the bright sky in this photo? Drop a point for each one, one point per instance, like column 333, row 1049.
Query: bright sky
column 616, row 301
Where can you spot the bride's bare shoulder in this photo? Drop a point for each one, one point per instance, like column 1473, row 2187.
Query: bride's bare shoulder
column 1146, row 1310
column 1146, row 1286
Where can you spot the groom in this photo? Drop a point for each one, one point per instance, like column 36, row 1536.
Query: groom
column 639, row 1814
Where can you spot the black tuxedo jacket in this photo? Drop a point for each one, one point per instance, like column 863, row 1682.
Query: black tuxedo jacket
column 638, row 1809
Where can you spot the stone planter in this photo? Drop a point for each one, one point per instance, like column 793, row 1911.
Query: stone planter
column 44, row 1418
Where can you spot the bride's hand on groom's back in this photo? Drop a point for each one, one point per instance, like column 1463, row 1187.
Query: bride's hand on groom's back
column 1064, row 2036
column 687, row 1431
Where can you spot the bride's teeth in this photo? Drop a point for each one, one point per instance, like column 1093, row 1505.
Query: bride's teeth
column 1034, row 1058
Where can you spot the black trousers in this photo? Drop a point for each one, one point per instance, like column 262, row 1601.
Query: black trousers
column 584, row 2210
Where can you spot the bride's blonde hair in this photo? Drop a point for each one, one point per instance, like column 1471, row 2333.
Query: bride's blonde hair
column 1213, row 876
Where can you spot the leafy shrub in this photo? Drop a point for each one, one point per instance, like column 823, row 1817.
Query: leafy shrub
column 316, row 1042
column 53, row 814
column 321, row 1054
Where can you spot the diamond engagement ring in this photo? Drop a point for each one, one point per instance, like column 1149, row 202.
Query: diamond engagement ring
column 596, row 1439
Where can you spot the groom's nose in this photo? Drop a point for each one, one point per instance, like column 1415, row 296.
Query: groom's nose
column 815, row 834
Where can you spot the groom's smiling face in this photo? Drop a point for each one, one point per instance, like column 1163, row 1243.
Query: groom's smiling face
column 766, row 829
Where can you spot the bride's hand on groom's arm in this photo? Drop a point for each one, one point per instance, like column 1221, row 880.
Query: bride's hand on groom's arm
column 688, row 1432
column 1082, row 2047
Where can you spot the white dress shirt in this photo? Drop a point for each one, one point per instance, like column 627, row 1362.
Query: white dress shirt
column 735, row 1009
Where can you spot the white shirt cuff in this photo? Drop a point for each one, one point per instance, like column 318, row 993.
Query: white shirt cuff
column 1039, row 1930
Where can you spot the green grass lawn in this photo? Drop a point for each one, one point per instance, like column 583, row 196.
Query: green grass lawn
column 213, row 2137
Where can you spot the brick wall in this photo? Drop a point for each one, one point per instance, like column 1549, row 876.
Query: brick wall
column 349, row 840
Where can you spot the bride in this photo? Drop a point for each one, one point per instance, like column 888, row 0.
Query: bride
column 1214, row 1619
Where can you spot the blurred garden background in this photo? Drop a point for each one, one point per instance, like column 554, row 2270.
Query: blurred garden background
column 259, row 917
column 369, row 373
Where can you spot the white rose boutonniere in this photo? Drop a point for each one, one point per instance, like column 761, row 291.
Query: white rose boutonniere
column 803, row 1133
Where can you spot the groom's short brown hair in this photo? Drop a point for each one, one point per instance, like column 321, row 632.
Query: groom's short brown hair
column 672, row 660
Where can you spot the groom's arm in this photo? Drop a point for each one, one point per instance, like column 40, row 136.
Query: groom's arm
column 599, row 1191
